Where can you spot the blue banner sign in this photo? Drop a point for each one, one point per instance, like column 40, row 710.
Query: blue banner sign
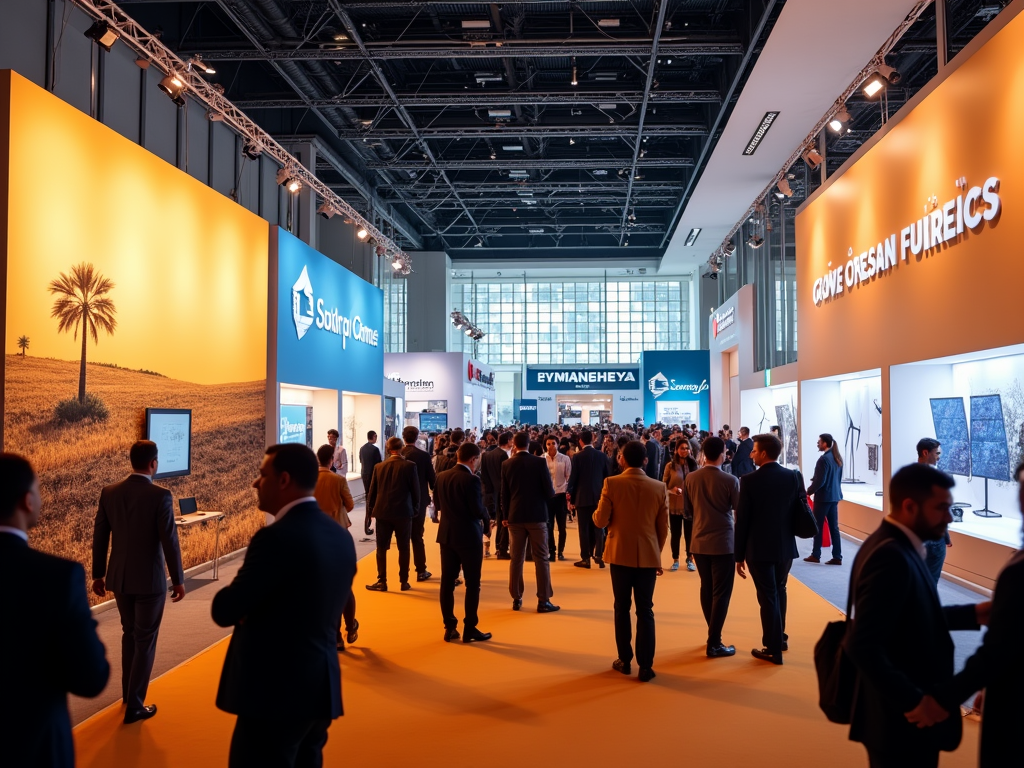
column 572, row 379
column 677, row 387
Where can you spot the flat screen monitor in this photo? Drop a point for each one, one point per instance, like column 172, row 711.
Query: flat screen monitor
column 433, row 422
column 296, row 425
column 171, row 430
column 950, row 421
column 989, row 455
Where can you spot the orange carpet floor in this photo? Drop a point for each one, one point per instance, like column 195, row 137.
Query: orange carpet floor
column 541, row 692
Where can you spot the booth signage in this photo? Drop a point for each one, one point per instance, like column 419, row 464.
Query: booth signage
column 940, row 225
column 582, row 378
column 722, row 320
column 413, row 385
column 478, row 376
column 680, row 379
column 526, row 411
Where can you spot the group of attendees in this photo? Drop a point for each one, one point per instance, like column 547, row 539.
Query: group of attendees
column 631, row 491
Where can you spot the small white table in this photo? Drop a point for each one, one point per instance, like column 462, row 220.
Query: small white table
column 183, row 521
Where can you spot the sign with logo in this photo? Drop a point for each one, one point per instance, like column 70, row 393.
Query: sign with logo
column 330, row 323
column 682, row 378
column 478, row 376
column 526, row 411
column 722, row 320
column 296, row 425
column 582, row 378
column 412, row 385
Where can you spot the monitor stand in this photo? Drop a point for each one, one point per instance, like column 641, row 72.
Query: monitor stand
column 985, row 511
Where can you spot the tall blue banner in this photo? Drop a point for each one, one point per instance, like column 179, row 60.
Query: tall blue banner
column 676, row 387
column 525, row 410
column 330, row 323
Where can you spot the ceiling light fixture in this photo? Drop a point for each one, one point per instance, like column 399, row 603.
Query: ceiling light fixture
column 574, row 80
column 812, row 157
column 196, row 62
column 289, row 180
column 839, row 120
column 173, row 86
column 512, row 147
column 476, row 24
column 499, row 113
column 874, row 85
column 755, row 241
column 608, row 23
column 362, row 233
column 326, row 210
column 755, row 140
column 571, row 141
column 252, row 149
column 103, row 35
column 785, row 190
column 692, row 237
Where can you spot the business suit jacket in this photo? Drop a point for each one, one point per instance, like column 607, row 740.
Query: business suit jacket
column 140, row 517
column 394, row 490
column 333, row 496
column 764, row 518
column 369, row 458
column 826, row 485
column 525, row 489
column 635, row 509
column 654, row 454
column 710, row 496
column 458, row 499
column 50, row 649
column 742, row 464
column 424, row 472
column 899, row 642
column 285, row 604
column 589, row 470
column 490, row 474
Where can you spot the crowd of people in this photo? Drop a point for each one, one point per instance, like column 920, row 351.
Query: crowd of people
column 726, row 507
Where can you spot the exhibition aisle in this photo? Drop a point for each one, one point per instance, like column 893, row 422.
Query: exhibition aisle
column 543, row 686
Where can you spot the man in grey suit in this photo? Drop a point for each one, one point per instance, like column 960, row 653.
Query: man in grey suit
column 135, row 520
column 710, row 496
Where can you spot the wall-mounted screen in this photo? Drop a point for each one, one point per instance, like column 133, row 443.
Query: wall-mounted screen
column 950, row 421
column 433, row 422
column 296, row 425
column 171, row 430
column 989, row 455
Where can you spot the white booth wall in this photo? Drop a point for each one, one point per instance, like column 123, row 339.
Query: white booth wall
column 765, row 407
column 442, row 376
column 627, row 404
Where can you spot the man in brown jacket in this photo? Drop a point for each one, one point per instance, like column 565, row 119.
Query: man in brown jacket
column 634, row 508
column 332, row 493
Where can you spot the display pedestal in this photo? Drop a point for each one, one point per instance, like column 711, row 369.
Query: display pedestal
column 985, row 511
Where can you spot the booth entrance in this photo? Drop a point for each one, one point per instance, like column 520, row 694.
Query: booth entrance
column 588, row 410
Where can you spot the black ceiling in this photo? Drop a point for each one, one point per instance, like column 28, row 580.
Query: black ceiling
column 419, row 102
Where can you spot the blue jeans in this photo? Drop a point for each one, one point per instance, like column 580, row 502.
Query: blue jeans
column 936, row 557
column 828, row 510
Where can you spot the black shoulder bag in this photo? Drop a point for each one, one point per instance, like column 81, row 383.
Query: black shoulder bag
column 804, row 524
column 837, row 675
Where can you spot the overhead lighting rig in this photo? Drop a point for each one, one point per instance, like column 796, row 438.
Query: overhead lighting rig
column 464, row 324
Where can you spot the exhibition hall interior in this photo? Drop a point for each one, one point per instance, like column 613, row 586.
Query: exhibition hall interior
column 227, row 225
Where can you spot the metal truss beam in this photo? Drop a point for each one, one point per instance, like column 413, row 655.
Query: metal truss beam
column 538, row 163
column 492, row 98
column 514, row 130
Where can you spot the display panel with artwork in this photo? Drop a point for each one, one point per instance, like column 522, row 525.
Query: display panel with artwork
column 950, row 420
column 171, row 430
column 989, row 456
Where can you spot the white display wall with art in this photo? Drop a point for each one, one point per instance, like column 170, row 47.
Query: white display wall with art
column 974, row 405
column 766, row 407
column 849, row 407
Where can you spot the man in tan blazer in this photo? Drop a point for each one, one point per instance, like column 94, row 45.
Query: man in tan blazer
column 634, row 507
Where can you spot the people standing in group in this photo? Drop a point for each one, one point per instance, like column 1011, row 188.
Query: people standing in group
column 583, row 491
column 929, row 451
column 680, row 519
column 334, row 498
column 135, row 523
column 560, row 468
column 490, row 475
column 449, row 458
column 281, row 676
column 635, row 509
column 898, row 634
column 339, row 461
column 369, row 458
column 48, row 644
column 440, row 445
column 392, row 500
column 711, row 496
column 425, row 474
column 764, row 539
column 827, row 491
column 742, row 464
column 462, row 519
column 525, row 490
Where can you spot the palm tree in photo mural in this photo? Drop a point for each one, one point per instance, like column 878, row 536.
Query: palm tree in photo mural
column 82, row 302
column 23, row 342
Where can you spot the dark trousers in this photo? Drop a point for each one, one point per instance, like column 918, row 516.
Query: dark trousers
column 591, row 537
column 470, row 560
column 925, row 760
column 828, row 510
column 419, row 552
column 936, row 557
column 534, row 536
column 501, row 540
column 140, row 625
column 401, row 530
column 717, row 573
column 556, row 516
column 367, row 524
column 680, row 527
column 274, row 743
column 348, row 615
column 770, row 582
column 634, row 585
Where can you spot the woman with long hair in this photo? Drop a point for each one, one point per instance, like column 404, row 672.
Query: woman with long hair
column 676, row 470
column 827, row 491
column 440, row 444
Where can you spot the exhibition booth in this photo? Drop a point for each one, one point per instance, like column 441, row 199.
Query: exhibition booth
column 909, row 279
column 677, row 388
column 443, row 390
column 584, row 394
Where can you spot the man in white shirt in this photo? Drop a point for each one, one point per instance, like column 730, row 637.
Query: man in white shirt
column 559, row 467
column 340, row 461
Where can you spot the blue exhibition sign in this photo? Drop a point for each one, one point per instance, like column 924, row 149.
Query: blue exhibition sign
column 330, row 323
column 676, row 387
column 526, row 411
column 571, row 378
column 294, row 425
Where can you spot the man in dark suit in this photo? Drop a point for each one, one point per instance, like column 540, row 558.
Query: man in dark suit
column 135, row 521
column 742, row 463
column 393, row 499
column 589, row 470
column 525, row 490
column 425, row 474
column 765, row 541
column 461, row 526
column 369, row 458
column 48, row 644
column 490, row 474
column 898, row 638
column 652, row 445
column 281, row 675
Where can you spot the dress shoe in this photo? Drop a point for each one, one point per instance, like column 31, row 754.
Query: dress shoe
column 599, row 561
column 458, row 582
column 561, row 556
column 622, row 666
column 450, row 635
column 646, row 675
column 785, row 645
column 552, row 558
column 341, row 646
column 406, row 586
column 503, row 556
column 582, row 563
column 134, row 715
column 812, row 559
column 763, row 655
column 517, row 604
column 547, row 607
column 720, row 650
column 353, row 634
column 378, row 586
column 475, row 636
column 423, row 575
column 834, row 561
